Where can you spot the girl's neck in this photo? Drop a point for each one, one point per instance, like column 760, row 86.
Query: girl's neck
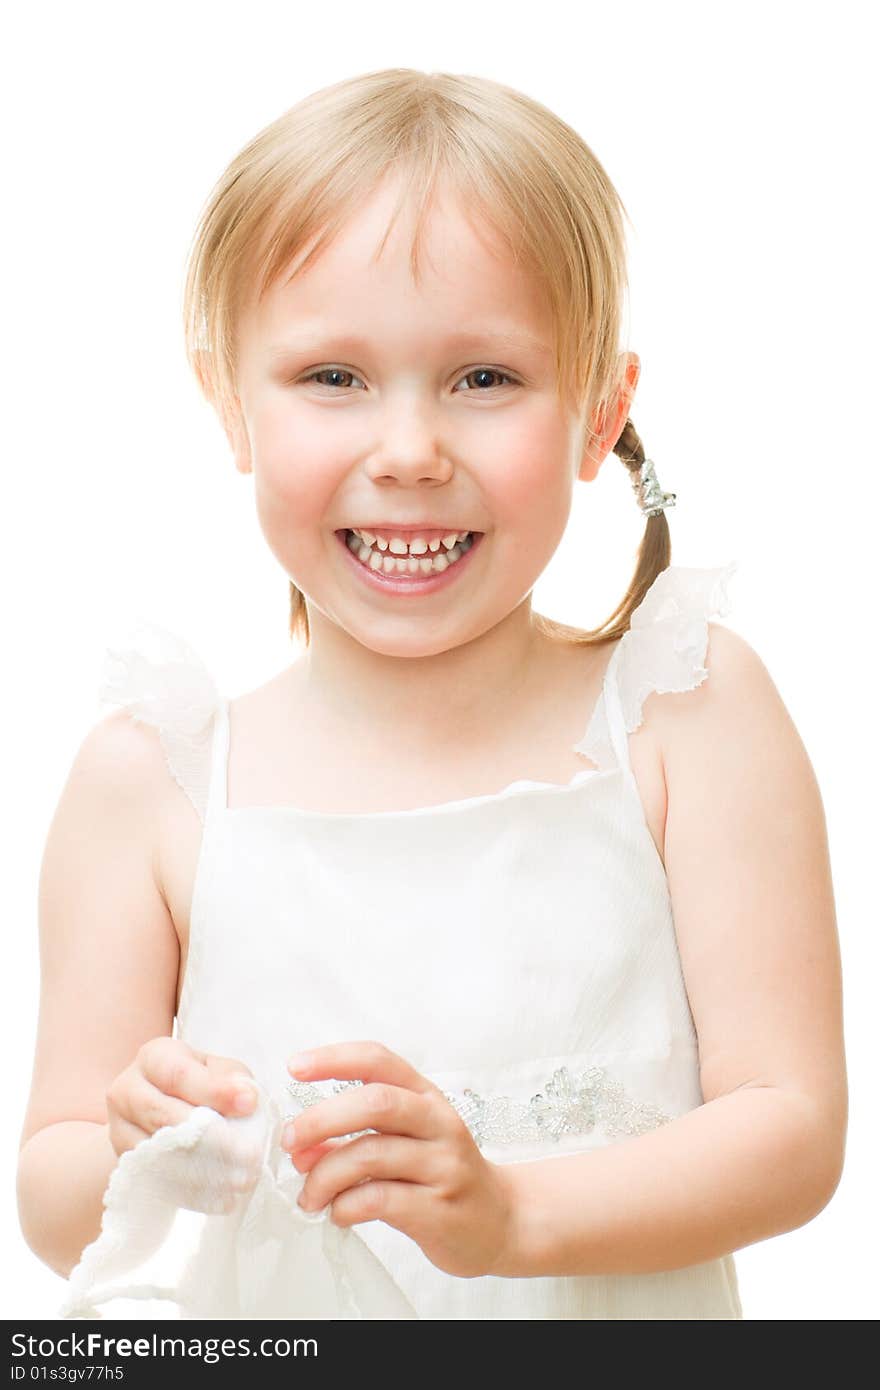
column 449, row 699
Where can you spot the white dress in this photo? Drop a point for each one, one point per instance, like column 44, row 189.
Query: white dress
column 544, row 994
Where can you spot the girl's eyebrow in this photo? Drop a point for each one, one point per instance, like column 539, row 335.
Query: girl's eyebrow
column 318, row 339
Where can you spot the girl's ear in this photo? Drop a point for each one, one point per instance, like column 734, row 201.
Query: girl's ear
column 609, row 419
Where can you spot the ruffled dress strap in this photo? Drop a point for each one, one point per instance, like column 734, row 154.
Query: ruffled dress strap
column 160, row 680
column 663, row 650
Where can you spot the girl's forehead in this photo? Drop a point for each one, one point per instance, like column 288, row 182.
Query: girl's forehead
column 365, row 272
column 381, row 230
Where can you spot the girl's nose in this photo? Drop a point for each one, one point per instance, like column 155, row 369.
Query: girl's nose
column 409, row 444
column 413, row 460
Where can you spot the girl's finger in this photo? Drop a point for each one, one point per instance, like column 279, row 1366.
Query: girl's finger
column 149, row 1109
column 385, row 1109
column 177, row 1072
column 124, row 1135
column 402, row 1160
column 361, row 1061
column 233, row 1089
column 305, row 1159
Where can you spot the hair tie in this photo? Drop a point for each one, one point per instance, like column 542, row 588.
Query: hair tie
column 651, row 497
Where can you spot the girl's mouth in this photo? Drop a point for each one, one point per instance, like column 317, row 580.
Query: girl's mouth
column 422, row 573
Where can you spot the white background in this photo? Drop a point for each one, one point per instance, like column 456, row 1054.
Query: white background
column 739, row 137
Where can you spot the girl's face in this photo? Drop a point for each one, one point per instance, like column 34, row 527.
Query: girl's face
column 370, row 403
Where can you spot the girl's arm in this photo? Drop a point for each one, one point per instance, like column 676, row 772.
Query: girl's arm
column 63, row 1172
column 109, row 959
column 747, row 860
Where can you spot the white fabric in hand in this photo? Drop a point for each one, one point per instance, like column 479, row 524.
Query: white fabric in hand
column 251, row 1253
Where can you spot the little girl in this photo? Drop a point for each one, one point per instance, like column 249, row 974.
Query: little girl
column 522, row 937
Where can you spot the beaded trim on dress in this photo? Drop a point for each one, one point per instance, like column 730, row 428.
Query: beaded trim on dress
column 570, row 1103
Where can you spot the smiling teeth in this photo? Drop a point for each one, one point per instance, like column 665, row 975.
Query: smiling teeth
column 417, row 546
column 412, row 559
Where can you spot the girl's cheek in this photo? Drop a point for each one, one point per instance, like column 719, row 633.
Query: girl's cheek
column 537, row 490
column 301, row 473
column 293, row 489
column 535, row 452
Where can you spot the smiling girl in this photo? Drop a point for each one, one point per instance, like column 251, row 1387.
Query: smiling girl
column 548, row 911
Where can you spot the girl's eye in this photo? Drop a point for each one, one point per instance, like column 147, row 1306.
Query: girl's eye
column 332, row 372
column 479, row 374
column 482, row 373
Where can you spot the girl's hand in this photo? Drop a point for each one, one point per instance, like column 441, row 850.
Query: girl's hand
column 165, row 1083
column 422, row 1173
column 167, row 1080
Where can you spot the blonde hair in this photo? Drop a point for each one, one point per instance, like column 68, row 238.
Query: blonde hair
column 529, row 174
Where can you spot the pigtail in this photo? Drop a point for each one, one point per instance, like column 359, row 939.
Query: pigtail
column 654, row 556
column 655, row 550
column 298, row 621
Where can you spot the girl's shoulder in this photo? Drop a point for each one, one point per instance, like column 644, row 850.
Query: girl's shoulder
column 158, row 679
column 665, row 648
column 697, row 684
column 664, row 652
